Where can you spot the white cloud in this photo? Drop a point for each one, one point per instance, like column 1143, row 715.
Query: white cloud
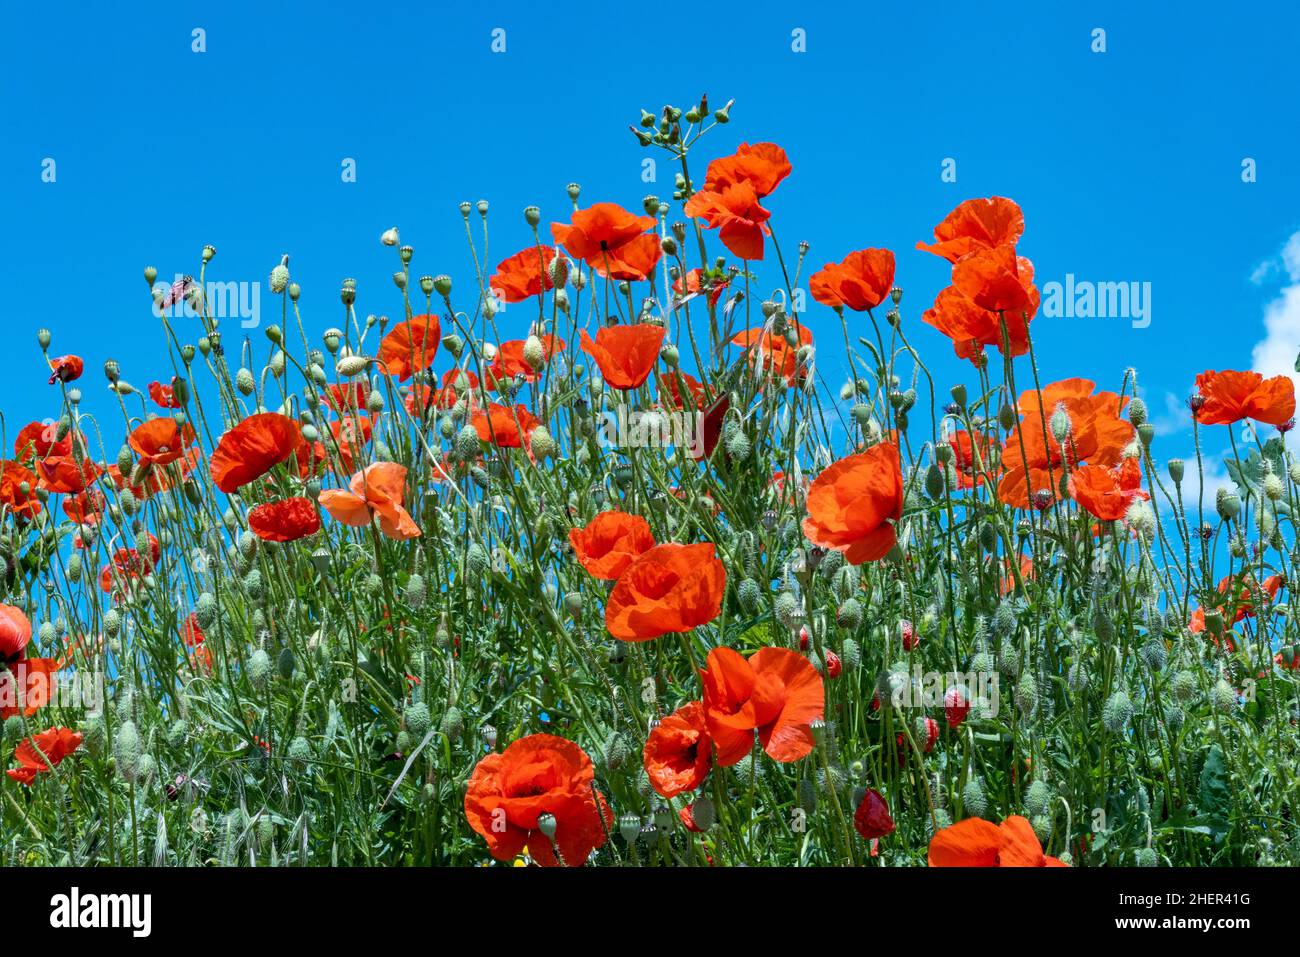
column 1276, row 353
column 1175, row 417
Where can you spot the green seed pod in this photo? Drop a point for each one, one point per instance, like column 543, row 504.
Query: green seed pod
column 205, row 609
column 1183, row 686
column 476, row 560
column 1223, row 697
column 75, row 568
column 259, row 668
column 245, row 382
column 849, row 614
column 248, row 543
column 126, row 751
column 750, row 595
column 1176, row 469
column 1042, row 825
column 285, row 663
column 1117, row 712
column 416, row 591
column 1027, row 694
column 851, row 654
column 973, row 799
column 253, row 584
column 935, row 486
column 112, row 622
column 1037, row 798
column 616, row 751
column 467, row 444
column 787, row 610
column 417, row 719
column 178, row 732
column 453, row 723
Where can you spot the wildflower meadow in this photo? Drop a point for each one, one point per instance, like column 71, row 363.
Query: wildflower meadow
column 592, row 554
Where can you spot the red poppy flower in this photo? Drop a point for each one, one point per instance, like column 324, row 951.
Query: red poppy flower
column 252, row 448
column 164, row 396
column 626, row 354
column 956, row 705
column 15, row 633
column 1106, row 493
column 1097, row 436
column 65, row 368
column 86, row 508
column 977, row 224
column 634, row 261
column 36, row 440
column 348, row 397
column 998, row 280
column 872, row 819
column 769, row 351
column 66, row 475
column 668, row 588
column 129, row 565
column 861, row 281
column 376, row 491
column 598, row 230
column 1232, row 396
column 286, row 520
column 853, row 504
column 506, row 428
column 610, row 542
column 191, row 632
column 776, row 694
column 678, row 752
column 509, row 361
column 410, row 346
column 976, row 842
column 735, row 212
column 1243, row 605
column 25, row 687
column 19, row 502
column 972, row 327
column 37, row 755
column 964, row 446
column 763, row 166
column 696, row 283
column 160, row 441
column 455, row 384
column 526, row 273
column 670, row 393
column 351, row 435
column 509, row 793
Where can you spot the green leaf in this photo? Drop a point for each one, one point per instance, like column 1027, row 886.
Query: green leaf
column 1214, row 799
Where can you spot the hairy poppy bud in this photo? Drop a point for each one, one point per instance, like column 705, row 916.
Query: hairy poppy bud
column 416, row 591
column 453, row 723
column 1183, row 686
column 1223, row 698
column 350, row 366
column 259, row 668
column 1117, row 712
column 973, row 799
column 542, row 444
column 126, row 751
column 417, row 719
column 1137, row 412
column 280, row 278
column 1227, row 504
column 849, row 614
column 1007, row 416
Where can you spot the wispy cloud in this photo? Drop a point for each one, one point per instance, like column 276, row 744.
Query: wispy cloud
column 1275, row 354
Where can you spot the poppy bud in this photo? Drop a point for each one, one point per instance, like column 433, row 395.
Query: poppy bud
column 974, row 802
column 1060, row 424
column 416, row 591
column 1027, row 694
column 350, row 366
column 417, row 720
column 849, row 614
column 1273, row 487
column 245, row 382
column 279, row 278
column 1137, row 412
column 1117, row 712
column 259, row 668
column 1223, row 698
column 126, row 751
column 935, row 486
column 150, row 275
column 1007, row 416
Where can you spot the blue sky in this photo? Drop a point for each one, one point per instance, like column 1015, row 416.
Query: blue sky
column 1128, row 163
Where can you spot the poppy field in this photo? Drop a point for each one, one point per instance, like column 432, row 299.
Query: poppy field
column 594, row 554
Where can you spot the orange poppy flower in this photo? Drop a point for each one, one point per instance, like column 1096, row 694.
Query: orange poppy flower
column 286, row 520
column 252, row 448
column 998, row 280
column 86, row 508
column 770, row 351
column 763, row 166
column 15, row 633
column 1106, row 493
column 37, row 755
column 1007, row 584
column 861, row 281
column 671, row 394
column 65, row 475
column 977, row 224
column 444, row 397
column 410, row 347
column 610, row 542
column 541, row 774
column 964, row 445
column 976, row 842
column 36, row 440
column 201, row 660
column 160, row 441
column 1243, row 606
column 25, row 686
column 634, row 261
column 509, row 361
column 1229, row 397
column 668, row 588
column 696, row 284
column 376, row 491
column 598, row 230
column 191, row 633
column 129, row 565
column 1097, row 436
column 65, row 368
column 12, row 479
column 775, row 694
column 852, row 504
column 626, row 354
column 526, row 273
column 735, row 212
column 347, row 397
column 504, row 427
column 351, row 435
column 678, row 752
column 971, row 327
column 164, row 396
